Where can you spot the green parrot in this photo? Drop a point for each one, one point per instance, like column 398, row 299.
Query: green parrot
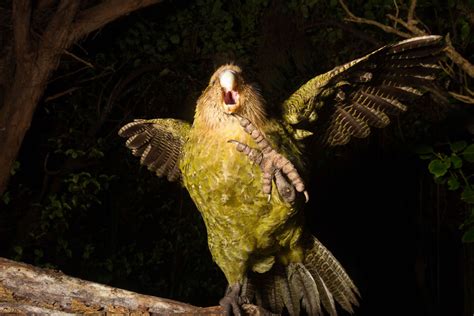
column 245, row 172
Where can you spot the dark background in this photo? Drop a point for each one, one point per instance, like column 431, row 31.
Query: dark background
column 79, row 202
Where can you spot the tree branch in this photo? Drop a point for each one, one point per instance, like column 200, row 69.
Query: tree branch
column 60, row 94
column 21, row 29
column 55, row 37
column 459, row 60
column 344, row 26
column 96, row 17
column 50, row 289
column 28, row 289
column 353, row 18
column 45, row 4
column 461, row 97
column 79, row 59
column 21, row 97
column 411, row 12
column 410, row 25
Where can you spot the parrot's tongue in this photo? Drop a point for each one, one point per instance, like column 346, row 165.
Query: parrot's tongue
column 229, row 97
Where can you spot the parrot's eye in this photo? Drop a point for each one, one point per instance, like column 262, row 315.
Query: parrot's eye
column 230, row 94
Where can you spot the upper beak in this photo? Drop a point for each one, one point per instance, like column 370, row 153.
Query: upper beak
column 228, row 82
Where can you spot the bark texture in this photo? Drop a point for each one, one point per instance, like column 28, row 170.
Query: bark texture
column 26, row 289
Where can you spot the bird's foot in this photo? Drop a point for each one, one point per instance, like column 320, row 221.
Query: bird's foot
column 273, row 164
column 232, row 301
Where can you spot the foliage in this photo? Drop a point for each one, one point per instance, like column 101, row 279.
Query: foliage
column 452, row 165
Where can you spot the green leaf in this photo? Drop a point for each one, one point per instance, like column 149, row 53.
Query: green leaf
column 468, row 153
column 6, row 198
column 468, row 195
column 465, row 30
column 458, row 146
column 439, row 167
column 453, row 184
column 456, row 161
column 15, row 167
column 468, row 221
column 174, row 39
column 468, row 236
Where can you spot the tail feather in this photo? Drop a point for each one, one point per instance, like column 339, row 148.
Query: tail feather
column 276, row 289
column 304, row 288
column 333, row 274
column 283, row 289
column 326, row 297
column 272, row 290
column 319, row 280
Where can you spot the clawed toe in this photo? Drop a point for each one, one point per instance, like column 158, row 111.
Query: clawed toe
column 232, row 302
column 273, row 164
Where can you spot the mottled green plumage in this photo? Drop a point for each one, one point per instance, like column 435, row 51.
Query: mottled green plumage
column 245, row 231
column 227, row 190
column 261, row 245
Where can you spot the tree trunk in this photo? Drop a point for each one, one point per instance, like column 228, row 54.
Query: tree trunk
column 17, row 112
column 35, row 60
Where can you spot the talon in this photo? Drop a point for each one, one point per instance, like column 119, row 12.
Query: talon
column 274, row 165
column 232, row 301
column 269, row 198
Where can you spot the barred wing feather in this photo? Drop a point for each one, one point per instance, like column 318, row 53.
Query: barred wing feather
column 364, row 92
column 158, row 143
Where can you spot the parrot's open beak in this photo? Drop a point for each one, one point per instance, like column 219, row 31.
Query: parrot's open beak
column 230, row 95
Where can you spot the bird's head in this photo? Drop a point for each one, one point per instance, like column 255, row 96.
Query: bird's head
column 228, row 93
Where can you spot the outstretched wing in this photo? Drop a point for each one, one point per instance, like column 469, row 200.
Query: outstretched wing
column 361, row 93
column 158, row 143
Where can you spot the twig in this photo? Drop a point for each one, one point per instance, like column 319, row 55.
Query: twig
column 411, row 12
column 459, row 60
column 463, row 63
column 466, row 87
column 461, row 97
column 447, row 68
column 103, row 74
column 411, row 27
column 60, row 94
column 68, row 74
column 79, row 59
column 397, row 11
column 344, row 26
column 353, row 18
